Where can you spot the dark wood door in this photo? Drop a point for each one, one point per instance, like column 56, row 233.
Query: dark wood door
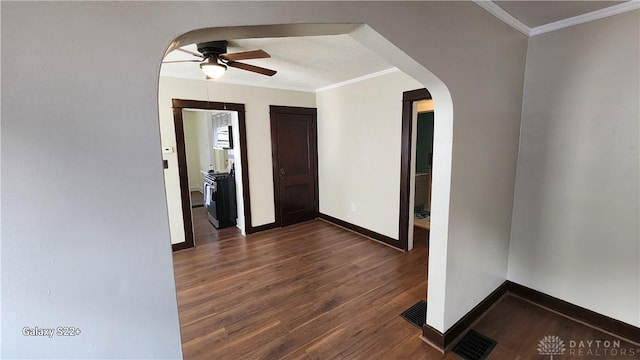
column 295, row 163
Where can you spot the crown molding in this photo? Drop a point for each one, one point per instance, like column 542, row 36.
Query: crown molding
column 244, row 83
column 501, row 14
column 266, row 85
column 358, row 79
column 580, row 19
column 294, row 88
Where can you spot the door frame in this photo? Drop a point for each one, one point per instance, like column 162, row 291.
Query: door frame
column 185, row 192
column 408, row 98
column 273, row 110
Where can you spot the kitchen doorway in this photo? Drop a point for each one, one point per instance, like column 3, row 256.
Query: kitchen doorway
column 410, row 101
column 423, row 165
column 221, row 175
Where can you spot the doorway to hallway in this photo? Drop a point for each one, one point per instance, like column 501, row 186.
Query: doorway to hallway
column 295, row 163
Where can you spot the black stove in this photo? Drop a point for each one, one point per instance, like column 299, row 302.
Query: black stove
column 220, row 199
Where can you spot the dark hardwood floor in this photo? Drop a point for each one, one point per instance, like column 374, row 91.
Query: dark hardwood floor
column 204, row 232
column 317, row 291
column 197, row 199
column 518, row 326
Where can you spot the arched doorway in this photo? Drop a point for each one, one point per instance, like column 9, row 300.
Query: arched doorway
column 443, row 133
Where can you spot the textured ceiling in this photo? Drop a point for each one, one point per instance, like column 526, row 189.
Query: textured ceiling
column 537, row 13
column 312, row 62
column 303, row 63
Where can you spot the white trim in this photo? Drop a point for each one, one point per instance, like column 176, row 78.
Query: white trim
column 245, row 83
column 501, row 14
column 358, row 79
column 293, row 88
column 268, row 86
column 594, row 15
column 510, row 20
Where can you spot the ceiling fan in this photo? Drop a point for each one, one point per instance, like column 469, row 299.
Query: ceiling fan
column 214, row 59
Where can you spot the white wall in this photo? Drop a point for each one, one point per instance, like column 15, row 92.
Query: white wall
column 257, row 101
column 205, row 147
column 359, row 137
column 105, row 240
column 192, row 125
column 576, row 214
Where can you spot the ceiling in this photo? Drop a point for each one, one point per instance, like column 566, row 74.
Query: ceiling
column 310, row 63
column 303, row 63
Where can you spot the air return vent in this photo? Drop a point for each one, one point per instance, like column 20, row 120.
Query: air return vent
column 474, row 346
column 417, row 314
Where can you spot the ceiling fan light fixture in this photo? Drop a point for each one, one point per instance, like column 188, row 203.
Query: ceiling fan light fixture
column 213, row 69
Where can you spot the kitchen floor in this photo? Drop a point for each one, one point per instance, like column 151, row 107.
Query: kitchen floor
column 203, row 231
column 197, row 199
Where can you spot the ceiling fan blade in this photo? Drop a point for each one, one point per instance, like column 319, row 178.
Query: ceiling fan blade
column 190, row 53
column 180, row 61
column 245, row 55
column 252, row 68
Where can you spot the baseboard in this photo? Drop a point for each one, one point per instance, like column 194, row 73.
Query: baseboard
column 360, row 230
column 589, row 317
column 180, row 246
column 253, row 230
column 433, row 337
column 444, row 341
column 248, row 230
column 616, row 327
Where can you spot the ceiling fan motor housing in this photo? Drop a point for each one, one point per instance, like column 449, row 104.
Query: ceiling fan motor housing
column 212, row 49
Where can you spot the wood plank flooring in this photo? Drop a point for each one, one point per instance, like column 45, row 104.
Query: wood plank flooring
column 197, row 199
column 519, row 326
column 308, row 291
column 204, row 232
column 422, row 223
column 317, row 291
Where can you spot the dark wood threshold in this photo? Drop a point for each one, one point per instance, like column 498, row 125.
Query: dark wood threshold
column 360, row 230
column 444, row 341
column 255, row 229
column 249, row 230
column 181, row 246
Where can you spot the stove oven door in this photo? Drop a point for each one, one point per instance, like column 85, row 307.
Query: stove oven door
column 211, row 202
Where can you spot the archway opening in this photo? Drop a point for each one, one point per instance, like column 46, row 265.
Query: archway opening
column 443, row 134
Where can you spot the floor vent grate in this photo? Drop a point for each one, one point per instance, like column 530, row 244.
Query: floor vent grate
column 474, row 346
column 417, row 314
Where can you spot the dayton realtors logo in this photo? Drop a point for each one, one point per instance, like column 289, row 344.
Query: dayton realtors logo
column 551, row 345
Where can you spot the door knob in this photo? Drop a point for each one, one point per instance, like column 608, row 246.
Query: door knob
column 282, row 173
